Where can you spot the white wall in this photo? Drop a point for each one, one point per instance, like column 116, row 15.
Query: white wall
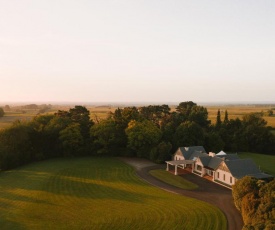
column 198, row 163
column 178, row 156
column 224, row 177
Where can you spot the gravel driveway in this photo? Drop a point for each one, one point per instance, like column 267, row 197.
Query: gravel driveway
column 208, row 191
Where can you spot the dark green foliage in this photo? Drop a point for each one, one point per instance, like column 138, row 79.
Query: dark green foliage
column 199, row 115
column 15, row 146
column 155, row 113
column 149, row 131
column 142, row 137
column 226, row 117
column 108, row 136
column 214, row 142
column 185, row 107
column 189, row 134
column 218, row 120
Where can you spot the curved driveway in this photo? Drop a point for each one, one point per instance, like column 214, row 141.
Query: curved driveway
column 208, row 191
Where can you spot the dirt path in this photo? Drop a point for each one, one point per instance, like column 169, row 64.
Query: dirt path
column 208, row 191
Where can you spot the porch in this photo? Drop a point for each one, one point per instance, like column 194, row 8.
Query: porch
column 180, row 166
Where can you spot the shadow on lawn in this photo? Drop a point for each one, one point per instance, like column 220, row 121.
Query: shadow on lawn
column 71, row 183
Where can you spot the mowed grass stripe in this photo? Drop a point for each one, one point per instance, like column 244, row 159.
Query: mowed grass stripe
column 95, row 193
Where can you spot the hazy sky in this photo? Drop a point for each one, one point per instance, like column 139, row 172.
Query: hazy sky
column 137, row 50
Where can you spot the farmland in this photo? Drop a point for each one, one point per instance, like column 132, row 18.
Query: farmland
column 95, row 193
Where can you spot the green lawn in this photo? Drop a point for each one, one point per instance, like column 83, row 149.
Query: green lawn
column 266, row 162
column 172, row 179
column 95, row 193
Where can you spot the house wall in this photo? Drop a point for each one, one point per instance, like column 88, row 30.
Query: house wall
column 223, row 176
column 199, row 167
column 178, row 156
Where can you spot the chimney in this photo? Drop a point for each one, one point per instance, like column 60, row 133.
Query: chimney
column 211, row 154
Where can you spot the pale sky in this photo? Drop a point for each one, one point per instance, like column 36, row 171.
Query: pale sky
column 137, row 50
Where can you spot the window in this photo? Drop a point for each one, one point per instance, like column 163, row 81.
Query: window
column 218, row 175
column 199, row 168
column 224, row 177
column 231, row 180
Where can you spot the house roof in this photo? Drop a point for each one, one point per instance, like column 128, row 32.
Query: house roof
column 214, row 162
column 210, row 162
column 229, row 157
column 245, row 167
column 187, row 151
column 197, row 154
column 221, row 153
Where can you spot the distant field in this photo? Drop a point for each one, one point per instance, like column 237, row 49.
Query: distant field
column 239, row 111
column 265, row 162
column 102, row 112
column 95, row 193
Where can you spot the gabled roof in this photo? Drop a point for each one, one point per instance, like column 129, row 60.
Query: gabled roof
column 214, row 162
column 187, row 151
column 210, row 162
column 245, row 167
column 221, row 153
column 197, row 154
column 205, row 160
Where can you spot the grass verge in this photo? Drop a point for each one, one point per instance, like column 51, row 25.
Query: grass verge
column 174, row 180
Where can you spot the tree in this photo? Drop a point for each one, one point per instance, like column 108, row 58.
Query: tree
column 163, row 152
column 185, row 107
column 71, row 140
column 218, row 120
column 81, row 115
column 16, row 145
column 255, row 199
column 243, row 187
column 142, row 137
column 2, row 113
column 7, row 108
column 108, row 136
column 214, row 142
column 155, row 113
column 189, row 134
column 256, row 134
column 225, row 117
column 199, row 115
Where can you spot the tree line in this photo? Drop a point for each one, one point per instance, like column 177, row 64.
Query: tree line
column 153, row 132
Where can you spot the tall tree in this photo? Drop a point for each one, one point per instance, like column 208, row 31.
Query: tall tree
column 199, row 115
column 225, row 117
column 185, row 108
column 218, row 120
column 81, row 115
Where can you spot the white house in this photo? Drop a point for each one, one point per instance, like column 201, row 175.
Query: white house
column 221, row 168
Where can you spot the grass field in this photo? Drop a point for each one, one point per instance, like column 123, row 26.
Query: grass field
column 95, row 193
column 176, row 181
column 265, row 162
